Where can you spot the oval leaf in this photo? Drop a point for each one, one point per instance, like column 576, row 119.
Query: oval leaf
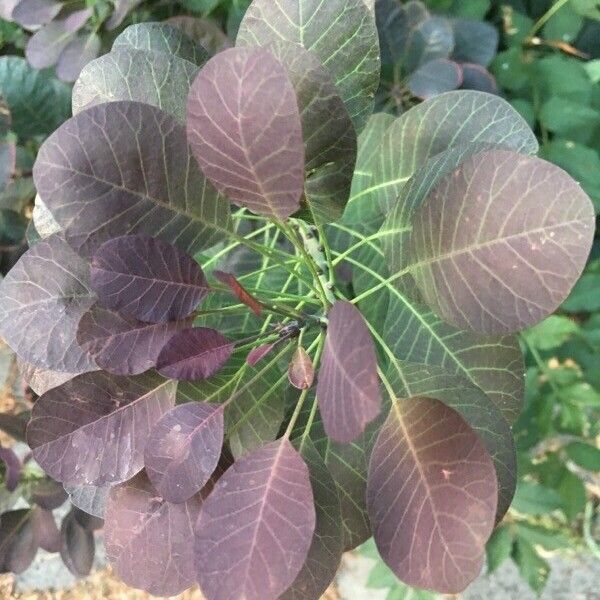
column 46, row 531
column 78, row 53
column 89, row 498
column 266, row 499
column 18, row 543
column 122, row 345
column 147, row 278
column 435, row 77
column 46, row 45
column 149, row 542
column 33, row 13
column 194, row 354
column 507, row 258
column 301, row 372
column 43, row 297
column 48, row 494
column 125, row 167
column 12, row 468
column 348, row 387
column 77, row 548
column 183, row 449
column 79, row 431
column 245, row 131
column 431, row 496
column 476, row 77
column 257, row 354
column 238, row 289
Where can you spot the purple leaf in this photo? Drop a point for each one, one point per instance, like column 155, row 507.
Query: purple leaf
column 266, row 500
column 12, row 468
column 348, row 387
column 431, row 496
column 14, row 425
column 147, row 278
column 42, row 300
column 46, row 45
column 435, row 77
column 18, row 544
column 506, row 259
column 87, row 521
column 122, row 345
column 77, row 547
column 48, row 494
column 74, row 21
column 150, row 542
column 93, row 429
column 257, row 354
column 194, row 354
column 89, row 498
column 476, row 77
column 33, row 13
column 474, row 41
column 240, row 292
column 301, row 372
column 245, row 131
column 41, row 380
column 46, row 531
column 78, row 53
column 125, row 167
column 183, row 450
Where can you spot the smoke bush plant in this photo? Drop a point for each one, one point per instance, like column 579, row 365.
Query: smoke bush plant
column 268, row 324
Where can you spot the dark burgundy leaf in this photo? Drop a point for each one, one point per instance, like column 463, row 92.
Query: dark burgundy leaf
column 502, row 260
column 46, row 531
column 257, row 354
column 203, row 31
column 14, row 425
column 301, row 372
column 48, row 494
column 265, row 501
column 245, row 131
column 18, row 544
column 348, row 387
column 87, row 521
column 89, row 498
column 194, row 354
column 123, row 345
column 474, row 41
column 43, row 297
column 147, row 278
column 78, row 53
column 435, row 77
column 431, row 496
column 183, row 450
column 325, row 553
column 12, row 468
column 476, row 77
column 150, row 542
column 33, row 13
column 77, row 546
column 242, row 295
column 93, row 429
column 126, row 167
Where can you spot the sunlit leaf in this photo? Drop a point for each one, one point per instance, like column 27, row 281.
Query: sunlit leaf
column 33, row 13
column 78, row 431
column 267, row 500
column 183, row 450
column 89, row 498
column 301, row 372
column 245, row 131
column 46, row 45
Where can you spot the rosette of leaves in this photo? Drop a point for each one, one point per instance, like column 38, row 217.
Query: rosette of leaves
column 66, row 34
column 287, row 324
column 424, row 55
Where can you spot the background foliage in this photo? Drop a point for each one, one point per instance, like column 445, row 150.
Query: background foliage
column 548, row 67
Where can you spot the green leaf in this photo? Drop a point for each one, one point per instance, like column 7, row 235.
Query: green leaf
column 587, row 8
column 557, row 75
column 538, row 535
column 525, row 109
column 533, row 568
column 12, row 227
column 535, row 499
column 499, row 547
column 564, row 25
column 584, row 297
column 520, row 26
column 593, row 69
column 585, row 455
column 38, row 103
column 474, row 9
column 572, row 492
column 510, row 70
column 569, row 118
column 551, row 332
column 341, row 33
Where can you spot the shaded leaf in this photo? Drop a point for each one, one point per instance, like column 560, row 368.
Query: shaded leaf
column 584, row 455
column 18, row 544
column 347, row 387
column 154, row 78
column 476, row 77
column 238, row 289
column 301, row 372
column 194, row 354
column 77, row 547
column 43, row 297
column 532, row 567
column 245, row 131
column 48, row 494
column 123, row 345
column 266, row 498
column 142, row 180
column 122, row 8
column 183, row 450
column 12, row 468
column 474, row 41
column 14, row 425
column 147, row 278
column 78, row 53
column 501, row 274
column 204, row 31
column 431, row 496
column 434, row 77
column 430, row 39
column 46, row 531
column 499, row 547
column 341, row 33
column 78, row 431
column 535, row 499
